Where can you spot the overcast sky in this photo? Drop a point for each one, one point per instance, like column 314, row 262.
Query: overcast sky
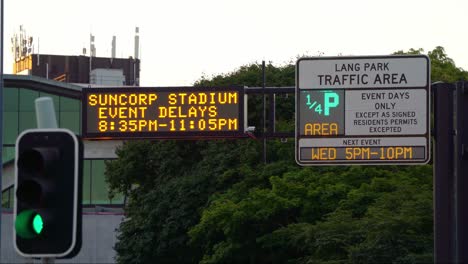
column 181, row 40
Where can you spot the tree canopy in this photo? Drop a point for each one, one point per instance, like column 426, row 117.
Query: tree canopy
column 217, row 202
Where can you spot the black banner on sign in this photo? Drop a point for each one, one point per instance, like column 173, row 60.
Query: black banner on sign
column 163, row 112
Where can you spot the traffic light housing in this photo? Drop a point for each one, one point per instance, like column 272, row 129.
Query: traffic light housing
column 48, row 188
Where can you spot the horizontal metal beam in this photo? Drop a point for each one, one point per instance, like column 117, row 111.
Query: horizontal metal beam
column 270, row 90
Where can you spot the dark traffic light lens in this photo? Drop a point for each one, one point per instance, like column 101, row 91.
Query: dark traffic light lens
column 31, row 161
column 29, row 192
column 36, row 161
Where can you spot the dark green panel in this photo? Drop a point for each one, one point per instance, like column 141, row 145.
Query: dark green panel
column 26, row 100
column 10, row 127
column 10, row 102
column 70, row 120
column 6, row 199
column 69, row 105
column 8, row 154
column 86, row 182
column 27, row 120
column 99, row 190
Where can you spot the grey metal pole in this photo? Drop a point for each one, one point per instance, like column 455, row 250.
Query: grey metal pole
column 48, row 260
column 264, row 113
column 1, row 118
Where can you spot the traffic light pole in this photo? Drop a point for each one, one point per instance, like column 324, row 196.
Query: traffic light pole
column 45, row 116
column 451, row 172
column 1, row 115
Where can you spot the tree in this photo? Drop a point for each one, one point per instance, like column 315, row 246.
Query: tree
column 168, row 182
column 443, row 68
column 215, row 202
column 165, row 180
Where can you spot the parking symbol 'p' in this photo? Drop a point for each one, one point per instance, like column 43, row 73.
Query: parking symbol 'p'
column 331, row 99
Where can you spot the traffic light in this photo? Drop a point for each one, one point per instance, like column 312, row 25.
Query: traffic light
column 48, row 189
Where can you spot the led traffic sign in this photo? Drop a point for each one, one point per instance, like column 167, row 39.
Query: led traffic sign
column 170, row 112
column 362, row 110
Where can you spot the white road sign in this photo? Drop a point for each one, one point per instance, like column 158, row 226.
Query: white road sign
column 362, row 110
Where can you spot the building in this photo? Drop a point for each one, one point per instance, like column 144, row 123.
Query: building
column 101, row 215
column 62, row 78
column 81, row 69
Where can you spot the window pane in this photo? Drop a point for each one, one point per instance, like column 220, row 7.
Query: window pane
column 70, row 120
column 10, row 127
column 99, row 186
column 86, row 182
column 69, row 105
column 5, row 198
column 10, row 198
column 7, row 201
column 10, row 102
column 8, row 154
column 27, row 120
column 27, row 98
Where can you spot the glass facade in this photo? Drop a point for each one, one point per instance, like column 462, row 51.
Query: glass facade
column 7, row 198
column 19, row 114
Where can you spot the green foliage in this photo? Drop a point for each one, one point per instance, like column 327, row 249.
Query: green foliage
column 443, row 68
column 167, row 183
column 251, row 76
column 216, row 202
column 323, row 216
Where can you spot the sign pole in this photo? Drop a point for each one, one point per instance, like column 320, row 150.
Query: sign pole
column 264, row 114
column 444, row 208
column 461, row 180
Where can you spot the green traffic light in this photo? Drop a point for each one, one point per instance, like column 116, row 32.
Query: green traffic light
column 29, row 224
column 38, row 224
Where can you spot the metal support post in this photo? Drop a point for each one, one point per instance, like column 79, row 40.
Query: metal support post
column 264, row 113
column 444, row 220
column 271, row 113
column 461, row 174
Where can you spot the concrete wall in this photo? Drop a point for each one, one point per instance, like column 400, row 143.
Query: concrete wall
column 99, row 237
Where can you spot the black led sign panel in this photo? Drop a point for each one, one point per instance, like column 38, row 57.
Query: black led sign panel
column 163, row 112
